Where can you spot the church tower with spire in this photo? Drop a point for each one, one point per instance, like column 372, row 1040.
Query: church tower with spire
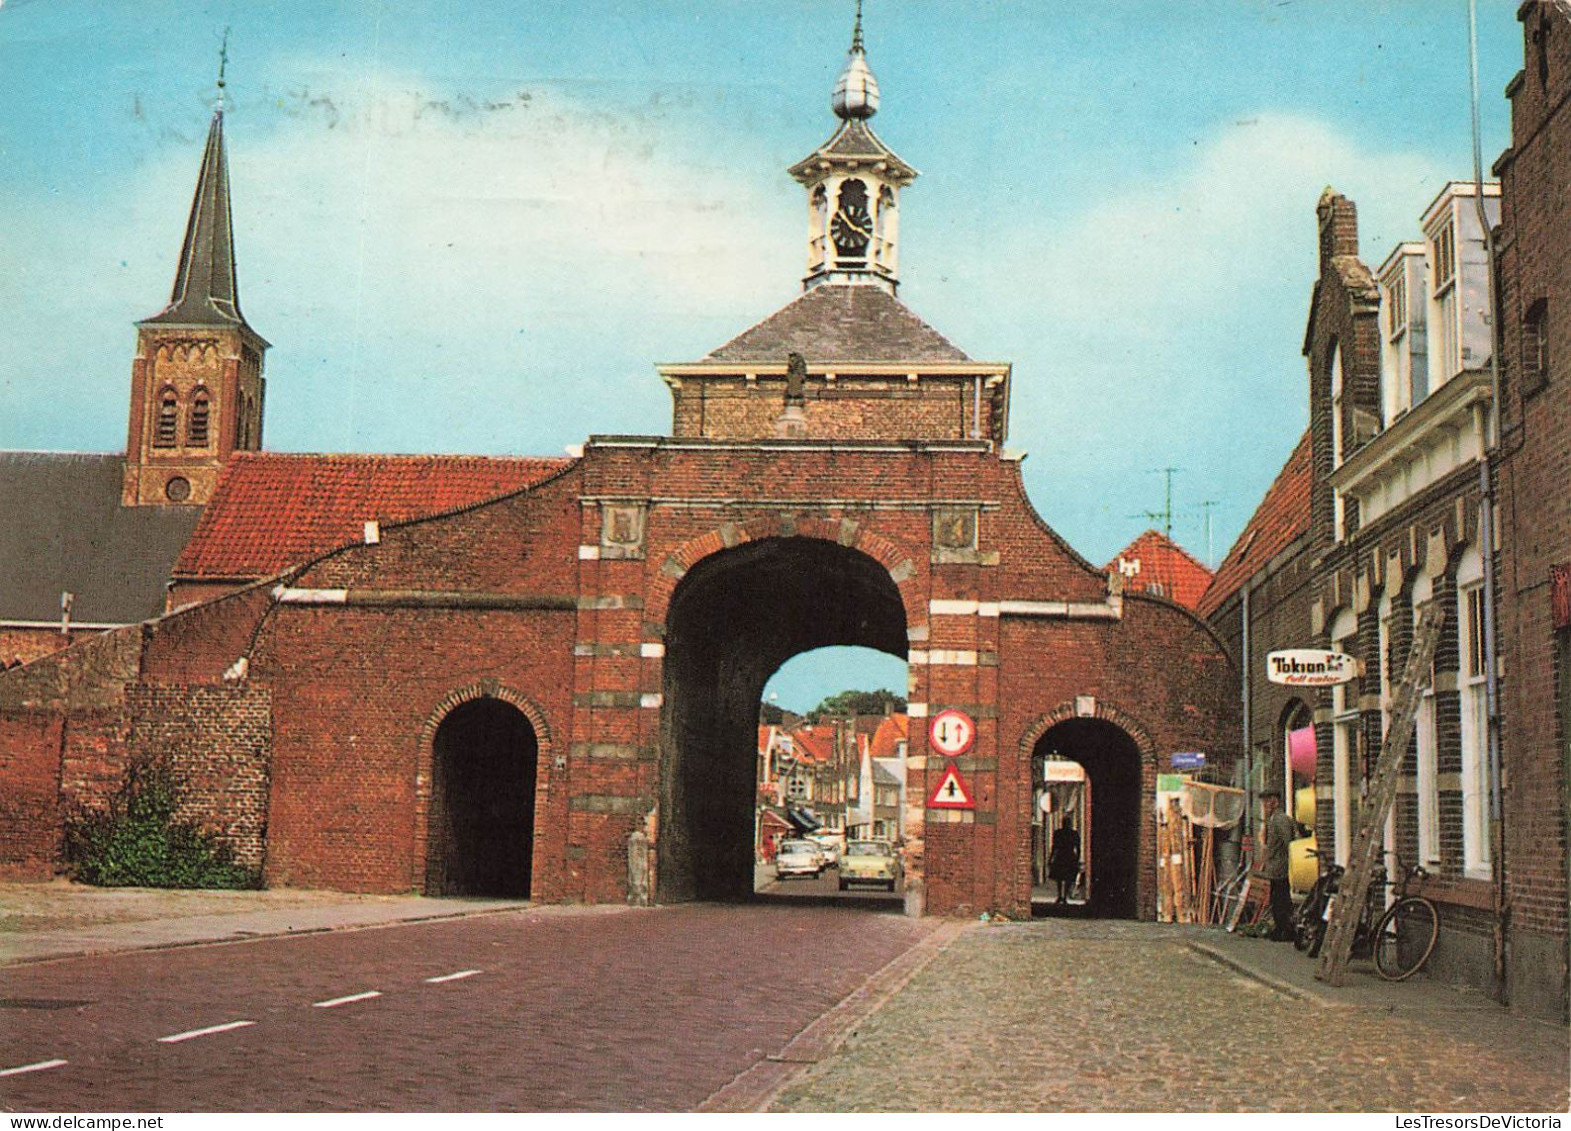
column 196, row 383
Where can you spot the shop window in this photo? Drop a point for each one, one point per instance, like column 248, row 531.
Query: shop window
column 1428, row 779
column 1471, row 677
column 1344, row 742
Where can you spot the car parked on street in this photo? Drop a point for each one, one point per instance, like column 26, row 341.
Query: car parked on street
column 831, row 842
column 871, row 862
column 799, row 858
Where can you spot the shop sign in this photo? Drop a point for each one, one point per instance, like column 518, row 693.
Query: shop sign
column 1310, row 667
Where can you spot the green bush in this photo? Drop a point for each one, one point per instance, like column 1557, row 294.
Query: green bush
column 138, row 841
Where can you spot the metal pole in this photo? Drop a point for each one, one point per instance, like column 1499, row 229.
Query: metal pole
column 1487, row 519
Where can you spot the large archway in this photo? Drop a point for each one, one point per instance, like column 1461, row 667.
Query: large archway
column 480, row 839
column 1111, row 760
column 734, row 619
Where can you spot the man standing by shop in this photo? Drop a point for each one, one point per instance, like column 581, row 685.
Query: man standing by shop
column 1279, row 831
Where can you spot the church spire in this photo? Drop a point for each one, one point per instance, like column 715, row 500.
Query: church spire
column 197, row 388
column 853, row 181
column 206, row 291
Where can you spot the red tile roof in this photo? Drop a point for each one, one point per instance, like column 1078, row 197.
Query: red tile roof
column 1281, row 517
column 814, row 746
column 893, row 729
column 272, row 510
column 1154, row 563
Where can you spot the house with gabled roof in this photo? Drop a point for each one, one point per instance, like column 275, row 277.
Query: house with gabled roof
column 1153, row 563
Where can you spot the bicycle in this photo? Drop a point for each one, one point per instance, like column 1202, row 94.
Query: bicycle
column 1309, row 918
column 1405, row 934
column 1400, row 938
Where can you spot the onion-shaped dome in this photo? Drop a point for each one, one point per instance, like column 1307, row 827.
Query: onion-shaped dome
column 856, row 91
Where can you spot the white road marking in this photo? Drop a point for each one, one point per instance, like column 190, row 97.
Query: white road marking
column 452, row 977
column 175, row 1038
column 39, row 1067
column 331, row 1002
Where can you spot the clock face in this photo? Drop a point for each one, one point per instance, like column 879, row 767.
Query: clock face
column 851, row 228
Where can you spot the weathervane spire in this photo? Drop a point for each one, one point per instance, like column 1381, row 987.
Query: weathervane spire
column 856, row 91
column 223, row 63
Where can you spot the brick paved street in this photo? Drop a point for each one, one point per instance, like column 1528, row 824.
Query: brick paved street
column 570, row 1008
column 1103, row 1016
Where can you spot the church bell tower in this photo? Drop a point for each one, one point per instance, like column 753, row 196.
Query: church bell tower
column 853, row 184
column 196, row 382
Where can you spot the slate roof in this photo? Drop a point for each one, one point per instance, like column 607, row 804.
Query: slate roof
column 841, row 322
column 1281, row 517
column 854, row 139
column 62, row 528
column 206, row 290
column 1166, row 569
column 272, row 510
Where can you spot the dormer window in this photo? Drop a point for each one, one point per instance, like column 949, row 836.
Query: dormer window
column 1443, row 256
column 1396, row 309
column 166, row 432
column 197, row 425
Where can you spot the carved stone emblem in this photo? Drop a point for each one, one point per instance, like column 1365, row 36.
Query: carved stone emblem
column 621, row 531
column 954, row 528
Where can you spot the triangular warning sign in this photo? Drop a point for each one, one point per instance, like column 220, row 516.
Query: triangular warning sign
column 951, row 792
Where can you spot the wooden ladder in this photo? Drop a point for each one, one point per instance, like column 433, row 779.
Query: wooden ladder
column 1349, row 903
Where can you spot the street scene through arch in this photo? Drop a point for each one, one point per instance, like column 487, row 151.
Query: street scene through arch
column 734, row 619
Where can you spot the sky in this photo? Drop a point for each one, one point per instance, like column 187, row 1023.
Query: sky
column 477, row 227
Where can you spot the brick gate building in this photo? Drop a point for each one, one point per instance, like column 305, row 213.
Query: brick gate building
column 516, row 693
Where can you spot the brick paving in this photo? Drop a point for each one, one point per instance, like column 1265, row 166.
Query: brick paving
column 1102, row 1016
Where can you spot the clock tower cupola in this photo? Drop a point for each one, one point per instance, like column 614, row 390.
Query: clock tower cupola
column 853, row 184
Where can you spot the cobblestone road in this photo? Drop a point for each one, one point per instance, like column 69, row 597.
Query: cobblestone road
column 1066, row 1016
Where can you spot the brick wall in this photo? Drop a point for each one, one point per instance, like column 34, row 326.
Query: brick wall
column 62, row 743
column 849, row 407
column 216, row 740
column 24, row 645
column 1535, row 510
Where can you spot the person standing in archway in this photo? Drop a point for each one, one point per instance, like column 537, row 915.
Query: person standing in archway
column 1063, row 861
column 1279, row 832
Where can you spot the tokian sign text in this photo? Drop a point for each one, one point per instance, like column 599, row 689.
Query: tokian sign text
column 1310, row 667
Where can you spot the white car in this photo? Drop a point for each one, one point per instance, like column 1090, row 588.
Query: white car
column 831, row 844
column 799, row 858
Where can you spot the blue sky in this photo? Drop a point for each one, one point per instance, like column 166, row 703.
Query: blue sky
column 477, row 227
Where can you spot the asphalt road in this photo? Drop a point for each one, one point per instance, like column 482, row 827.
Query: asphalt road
column 548, row 1009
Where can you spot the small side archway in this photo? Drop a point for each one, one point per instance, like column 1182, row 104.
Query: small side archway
column 1115, row 752
column 476, row 804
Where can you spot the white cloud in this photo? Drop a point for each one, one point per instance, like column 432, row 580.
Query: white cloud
column 434, row 269
column 1162, row 325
